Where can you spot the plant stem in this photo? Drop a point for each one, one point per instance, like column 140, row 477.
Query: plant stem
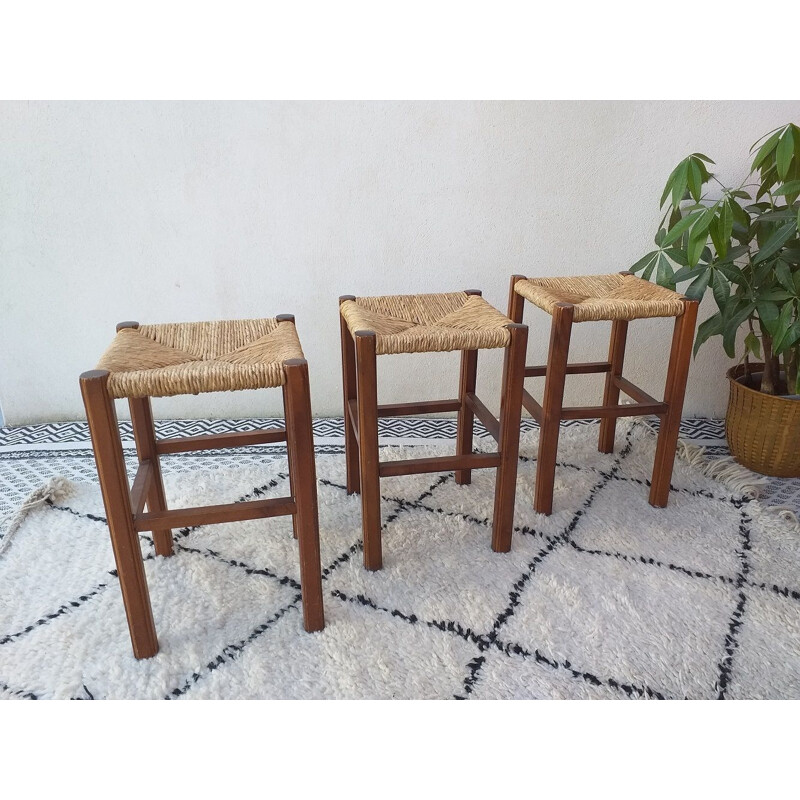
column 790, row 360
column 768, row 379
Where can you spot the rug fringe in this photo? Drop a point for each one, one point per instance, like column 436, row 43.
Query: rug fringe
column 55, row 490
column 730, row 474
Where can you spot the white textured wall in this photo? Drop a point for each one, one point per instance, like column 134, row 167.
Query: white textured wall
column 191, row 211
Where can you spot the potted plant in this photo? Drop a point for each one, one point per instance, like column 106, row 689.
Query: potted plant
column 741, row 244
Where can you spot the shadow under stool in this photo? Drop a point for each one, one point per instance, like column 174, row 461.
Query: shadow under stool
column 145, row 361
column 425, row 323
column 621, row 298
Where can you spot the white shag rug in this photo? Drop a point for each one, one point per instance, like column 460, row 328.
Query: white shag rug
column 606, row 598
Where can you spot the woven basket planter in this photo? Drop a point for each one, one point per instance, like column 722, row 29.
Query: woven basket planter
column 763, row 430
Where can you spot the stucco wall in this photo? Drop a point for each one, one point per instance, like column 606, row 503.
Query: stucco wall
column 191, row 211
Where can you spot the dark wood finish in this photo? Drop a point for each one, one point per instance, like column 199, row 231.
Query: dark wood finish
column 219, row 441
column 127, row 324
column 508, row 439
column 113, row 477
column 417, row 409
column 306, row 514
column 289, row 457
column 144, row 433
column 616, row 357
column 142, row 484
column 417, row 466
column 367, row 396
column 465, row 426
column 560, row 332
column 349, row 394
column 612, row 412
column 531, row 405
column 479, row 409
column 215, row 515
column 516, row 303
column 675, row 389
column 634, row 392
column 572, row 369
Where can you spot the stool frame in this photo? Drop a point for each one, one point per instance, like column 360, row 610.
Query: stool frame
column 552, row 410
column 125, row 504
column 362, row 411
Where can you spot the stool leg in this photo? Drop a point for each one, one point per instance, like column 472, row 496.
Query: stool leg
column 677, row 373
column 289, row 457
column 516, row 302
column 616, row 355
column 300, row 445
column 145, row 435
column 466, row 419
column 510, row 414
column 349, row 392
column 113, row 477
column 558, row 354
column 367, row 390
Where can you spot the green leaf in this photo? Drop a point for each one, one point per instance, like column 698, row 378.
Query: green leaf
column 705, row 158
column 765, row 150
column 779, row 341
column 775, row 242
column 664, row 275
column 752, row 344
column 790, row 187
column 643, row 262
column 678, row 256
column 716, row 237
column 731, row 327
column 721, row 288
column 660, row 236
column 711, row 327
column 784, row 275
column 783, row 214
column 741, row 193
column 726, row 221
column 680, row 182
column 792, row 337
column 697, row 240
column 681, row 227
column 697, row 287
column 776, row 295
column 784, row 153
column 769, row 314
column 695, row 179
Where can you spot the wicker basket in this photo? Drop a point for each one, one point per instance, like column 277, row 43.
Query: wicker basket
column 763, row 430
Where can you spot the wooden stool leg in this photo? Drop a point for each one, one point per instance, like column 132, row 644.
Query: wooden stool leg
column 516, row 303
column 300, row 444
column 551, row 407
column 289, row 458
column 616, row 355
column 349, row 392
column 145, row 435
column 510, row 414
column 466, row 419
column 113, row 477
column 677, row 374
column 367, row 391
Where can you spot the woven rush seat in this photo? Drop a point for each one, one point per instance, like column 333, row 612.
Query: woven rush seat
column 599, row 297
column 194, row 357
column 428, row 323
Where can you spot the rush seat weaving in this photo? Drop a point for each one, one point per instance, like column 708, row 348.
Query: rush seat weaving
column 195, row 357
column 426, row 323
column 596, row 297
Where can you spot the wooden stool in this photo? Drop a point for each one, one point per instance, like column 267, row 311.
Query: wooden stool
column 620, row 298
column 189, row 358
column 423, row 323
